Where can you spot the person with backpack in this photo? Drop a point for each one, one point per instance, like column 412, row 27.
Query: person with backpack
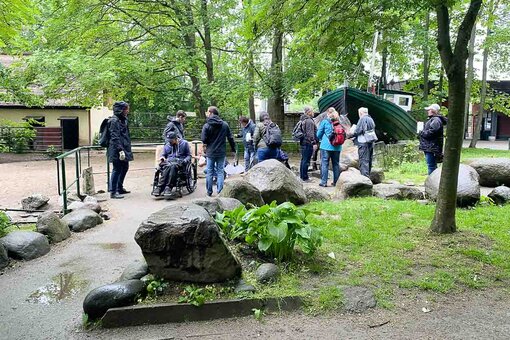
column 175, row 125
column 119, row 149
column 432, row 137
column 267, row 138
column 365, row 138
column 330, row 146
column 305, row 131
column 214, row 133
column 247, row 135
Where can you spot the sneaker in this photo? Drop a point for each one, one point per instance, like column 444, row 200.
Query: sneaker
column 116, row 195
column 308, row 180
column 156, row 191
column 124, row 191
column 323, row 185
column 168, row 191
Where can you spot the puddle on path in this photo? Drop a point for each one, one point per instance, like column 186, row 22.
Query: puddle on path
column 63, row 286
column 112, row 246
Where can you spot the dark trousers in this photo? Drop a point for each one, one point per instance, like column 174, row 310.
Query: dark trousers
column 365, row 153
column 120, row 169
column 168, row 175
column 314, row 159
column 430, row 158
column 306, row 155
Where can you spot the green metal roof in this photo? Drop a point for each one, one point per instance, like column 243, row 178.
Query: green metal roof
column 392, row 122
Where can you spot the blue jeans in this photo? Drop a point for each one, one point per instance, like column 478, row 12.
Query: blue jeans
column 249, row 156
column 430, row 158
column 306, row 155
column 326, row 155
column 215, row 166
column 120, row 169
column 266, row 153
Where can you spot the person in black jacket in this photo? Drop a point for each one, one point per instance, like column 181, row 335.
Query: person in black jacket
column 308, row 142
column 432, row 137
column 247, row 134
column 119, row 149
column 175, row 125
column 214, row 133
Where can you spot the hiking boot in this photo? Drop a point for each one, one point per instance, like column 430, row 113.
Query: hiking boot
column 323, row 185
column 167, row 192
column 124, row 191
column 116, row 195
column 156, row 191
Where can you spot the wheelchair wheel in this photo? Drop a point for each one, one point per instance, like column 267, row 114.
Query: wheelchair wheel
column 191, row 180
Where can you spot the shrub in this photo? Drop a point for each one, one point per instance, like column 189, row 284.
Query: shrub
column 16, row 136
column 393, row 155
column 5, row 223
column 276, row 229
column 52, row 152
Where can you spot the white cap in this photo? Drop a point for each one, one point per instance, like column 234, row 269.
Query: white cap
column 434, row 107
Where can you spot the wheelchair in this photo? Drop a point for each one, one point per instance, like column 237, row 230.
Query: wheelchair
column 186, row 178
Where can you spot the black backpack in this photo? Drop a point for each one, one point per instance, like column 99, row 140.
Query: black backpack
column 104, row 132
column 297, row 133
column 273, row 136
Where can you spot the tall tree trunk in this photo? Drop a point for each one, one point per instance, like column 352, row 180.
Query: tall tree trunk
column 470, row 75
column 454, row 62
column 275, row 106
column 207, row 46
column 426, row 59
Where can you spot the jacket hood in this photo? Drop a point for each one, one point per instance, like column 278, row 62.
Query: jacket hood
column 118, row 107
column 215, row 120
column 444, row 120
column 304, row 116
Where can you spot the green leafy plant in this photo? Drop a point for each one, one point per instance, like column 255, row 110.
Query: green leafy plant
column 485, row 200
column 4, row 223
column 258, row 314
column 52, row 152
column 16, row 136
column 276, row 229
column 156, row 287
column 193, row 295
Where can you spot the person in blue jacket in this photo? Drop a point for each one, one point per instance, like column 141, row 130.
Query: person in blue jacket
column 328, row 151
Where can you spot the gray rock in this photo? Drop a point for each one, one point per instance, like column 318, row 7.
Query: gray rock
column 352, row 183
column 243, row 191
column 316, row 194
column 82, row 219
column 468, row 189
column 267, row 272
column 87, row 183
column 105, row 215
column 500, row 195
column 349, row 158
column 25, row 245
column 276, row 182
column 242, row 286
column 84, row 205
column 34, row 202
column 212, row 205
column 358, row 299
column 90, row 199
column 377, row 175
column 397, row 191
column 52, row 226
column 135, row 270
column 4, row 259
column 423, row 202
column 118, row 294
column 182, row 242
column 227, row 203
column 493, row 171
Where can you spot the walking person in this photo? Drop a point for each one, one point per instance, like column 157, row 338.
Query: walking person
column 308, row 142
column 267, row 138
column 119, row 149
column 175, row 125
column 432, row 137
column 329, row 151
column 214, row 134
column 365, row 137
column 248, row 130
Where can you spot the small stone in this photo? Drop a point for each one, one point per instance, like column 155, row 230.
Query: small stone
column 242, row 286
column 34, row 202
column 316, row 194
column 90, row 199
column 500, row 195
column 358, row 299
column 267, row 272
column 423, row 202
column 82, row 219
column 105, row 215
column 135, row 270
column 52, row 226
column 25, row 245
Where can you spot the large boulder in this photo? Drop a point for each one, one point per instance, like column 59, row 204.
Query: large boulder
column 217, row 204
column 84, row 205
column 118, row 294
column 500, row 195
column 316, row 194
column 243, row 191
column 493, row 171
column 82, row 219
column 349, row 158
column 397, row 191
column 135, row 270
column 352, row 183
column 183, row 243
column 468, row 188
column 34, row 202
column 227, row 203
column 4, row 259
column 377, row 175
column 52, row 226
column 276, row 182
column 25, row 245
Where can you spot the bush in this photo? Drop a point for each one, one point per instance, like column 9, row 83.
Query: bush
column 16, row 137
column 276, row 229
column 52, row 152
column 5, row 223
column 393, row 155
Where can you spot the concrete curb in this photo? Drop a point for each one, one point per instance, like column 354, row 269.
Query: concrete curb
column 173, row 312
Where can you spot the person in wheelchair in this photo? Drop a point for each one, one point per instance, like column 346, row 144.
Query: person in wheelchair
column 176, row 155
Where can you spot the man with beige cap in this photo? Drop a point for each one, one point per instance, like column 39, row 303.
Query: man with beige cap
column 432, row 137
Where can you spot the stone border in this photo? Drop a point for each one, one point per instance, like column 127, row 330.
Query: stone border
column 172, row 312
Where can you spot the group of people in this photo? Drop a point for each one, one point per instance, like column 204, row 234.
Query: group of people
column 261, row 141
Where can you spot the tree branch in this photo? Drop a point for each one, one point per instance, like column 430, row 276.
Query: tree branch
column 443, row 35
column 465, row 29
